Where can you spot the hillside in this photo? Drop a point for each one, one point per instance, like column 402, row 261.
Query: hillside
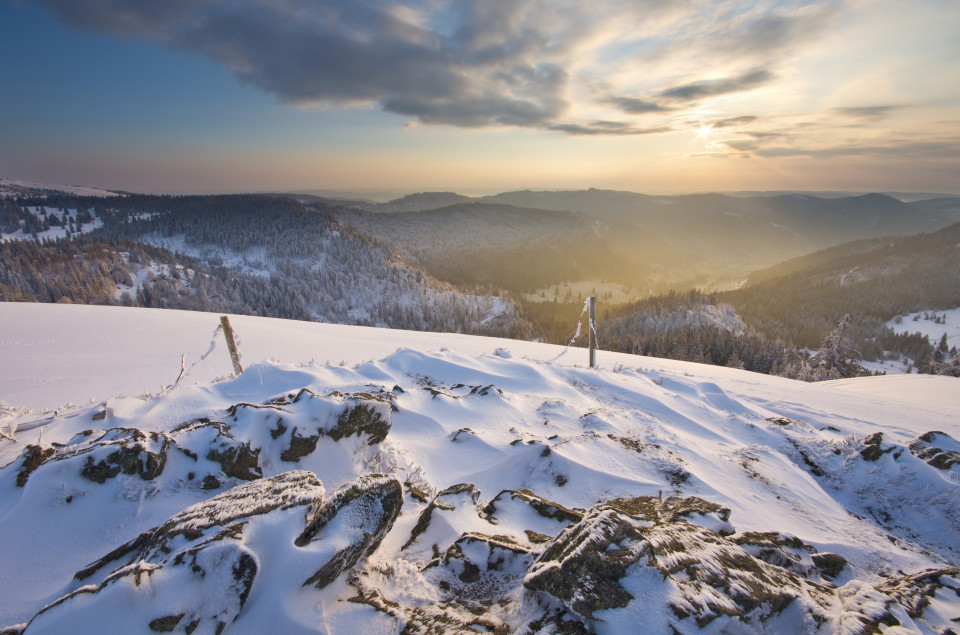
column 874, row 280
column 515, row 248
column 660, row 242
column 453, row 483
column 250, row 254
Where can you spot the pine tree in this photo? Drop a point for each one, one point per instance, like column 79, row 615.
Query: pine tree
column 838, row 357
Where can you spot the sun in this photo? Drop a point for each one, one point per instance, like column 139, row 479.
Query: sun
column 704, row 131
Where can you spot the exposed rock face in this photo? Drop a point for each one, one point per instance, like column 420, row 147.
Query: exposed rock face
column 706, row 575
column 355, row 519
column 221, row 450
column 32, row 457
column 299, row 447
column 237, row 460
column 365, row 414
column 874, row 447
column 583, row 566
column 440, row 502
column 748, row 579
column 105, row 454
column 785, row 551
column 938, row 449
column 479, row 568
column 514, row 563
column 830, row 565
column 542, row 506
column 681, row 551
column 222, row 513
column 916, row 592
column 194, row 568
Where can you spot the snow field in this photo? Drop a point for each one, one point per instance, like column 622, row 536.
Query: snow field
column 931, row 329
column 783, row 456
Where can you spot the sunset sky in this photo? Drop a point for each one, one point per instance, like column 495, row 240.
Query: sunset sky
column 654, row 96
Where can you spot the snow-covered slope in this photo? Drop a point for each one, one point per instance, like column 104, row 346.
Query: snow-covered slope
column 14, row 187
column 917, row 323
column 457, row 483
column 60, row 227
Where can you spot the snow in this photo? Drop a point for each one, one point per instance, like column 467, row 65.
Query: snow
column 490, row 412
column 930, row 328
column 254, row 261
column 8, row 187
column 55, row 231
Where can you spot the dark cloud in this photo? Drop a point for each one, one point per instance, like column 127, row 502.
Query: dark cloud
column 715, row 87
column 128, row 18
column 606, row 128
column 634, row 106
column 490, row 64
column 680, row 96
column 733, row 121
column 756, row 134
column 469, row 63
column 865, row 112
column 357, row 57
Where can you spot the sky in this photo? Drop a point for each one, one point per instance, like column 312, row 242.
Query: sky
column 480, row 96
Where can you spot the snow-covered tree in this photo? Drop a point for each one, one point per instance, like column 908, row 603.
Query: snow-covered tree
column 838, row 357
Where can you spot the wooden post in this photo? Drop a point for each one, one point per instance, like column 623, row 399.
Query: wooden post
column 592, row 331
column 231, row 344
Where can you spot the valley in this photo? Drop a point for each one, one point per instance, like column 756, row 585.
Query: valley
column 490, row 265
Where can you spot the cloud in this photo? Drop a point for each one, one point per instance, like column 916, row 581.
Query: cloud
column 938, row 150
column 742, row 145
column 606, row 128
column 633, row 106
column 127, row 18
column 684, row 95
column 470, row 63
column 716, row 87
column 865, row 112
column 464, row 63
column 733, row 121
column 758, row 35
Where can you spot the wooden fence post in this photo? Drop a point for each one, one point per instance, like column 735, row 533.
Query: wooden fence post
column 592, row 331
column 231, row 344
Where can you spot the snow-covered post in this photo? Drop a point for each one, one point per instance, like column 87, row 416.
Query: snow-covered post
column 592, row 332
column 231, row 344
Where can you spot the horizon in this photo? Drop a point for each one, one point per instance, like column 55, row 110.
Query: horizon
column 387, row 195
column 194, row 98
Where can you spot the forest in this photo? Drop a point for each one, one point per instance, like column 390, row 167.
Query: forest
column 280, row 257
column 293, row 263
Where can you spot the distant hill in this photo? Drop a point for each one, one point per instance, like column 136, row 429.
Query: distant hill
column 660, row 242
column 795, row 218
column 420, row 202
column 906, row 197
column 485, row 243
column 873, row 280
column 946, row 207
column 14, row 187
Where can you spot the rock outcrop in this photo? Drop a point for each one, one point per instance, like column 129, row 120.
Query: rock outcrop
column 354, row 520
column 193, row 571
